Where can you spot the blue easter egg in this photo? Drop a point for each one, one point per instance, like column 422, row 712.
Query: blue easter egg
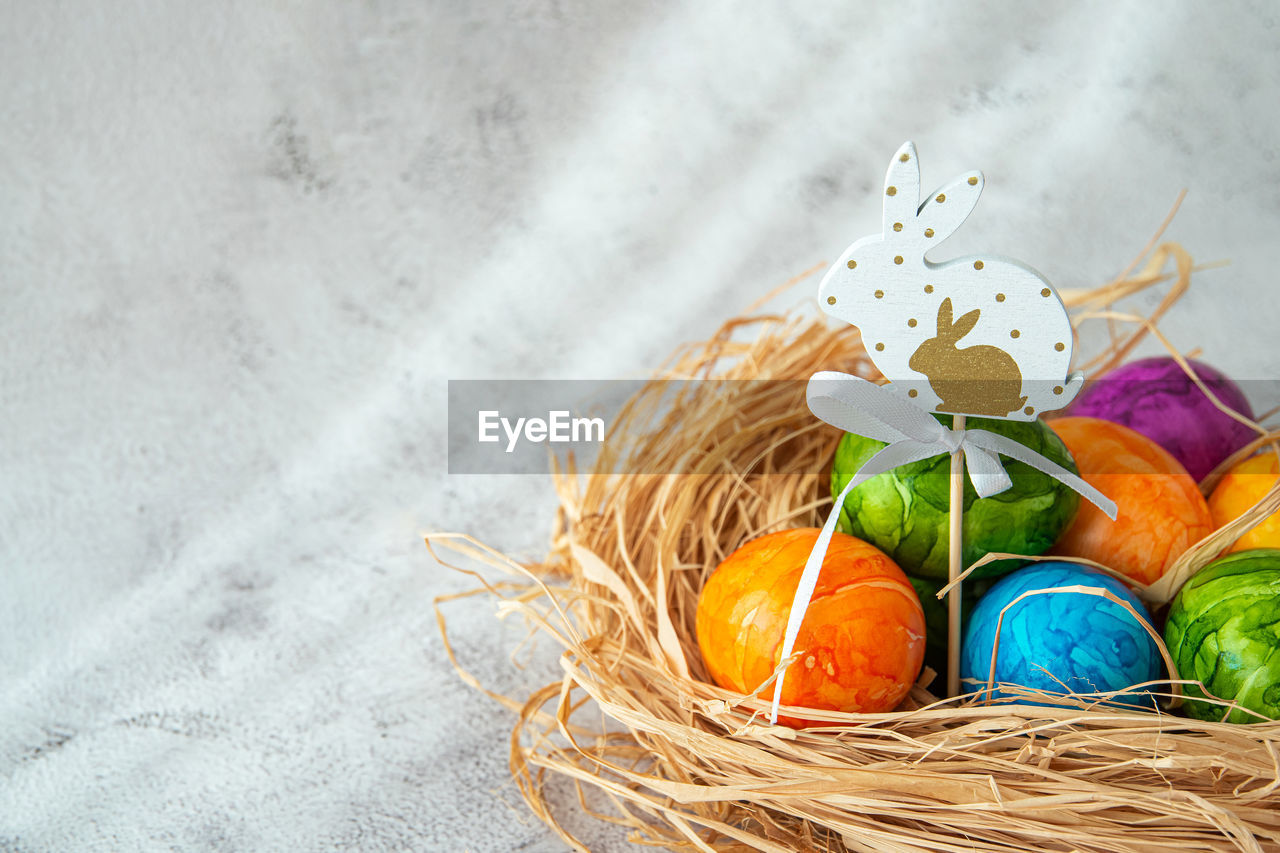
column 1060, row 641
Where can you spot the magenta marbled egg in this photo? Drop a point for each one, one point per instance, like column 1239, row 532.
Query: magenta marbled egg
column 1155, row 397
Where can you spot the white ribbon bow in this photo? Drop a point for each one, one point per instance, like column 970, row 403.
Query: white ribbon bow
column 864, row 408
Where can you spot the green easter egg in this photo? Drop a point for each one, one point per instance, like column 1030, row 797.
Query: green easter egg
column 1224, row 631
column 935, row 616
column 904, row 512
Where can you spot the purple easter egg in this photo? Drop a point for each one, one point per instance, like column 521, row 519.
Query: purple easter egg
column 1154, row 396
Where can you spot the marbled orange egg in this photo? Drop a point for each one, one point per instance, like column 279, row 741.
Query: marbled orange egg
column 1160, row 511
column 1241, row 488
column 862, row 640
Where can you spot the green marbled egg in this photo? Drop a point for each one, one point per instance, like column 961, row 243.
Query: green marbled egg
column 1224, row 631
column 904, row 513
column 936, row 615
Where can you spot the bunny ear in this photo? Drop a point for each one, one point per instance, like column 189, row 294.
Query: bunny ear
column 965, row 324
column 902, row 188
column 948, row 206
column 944, row 318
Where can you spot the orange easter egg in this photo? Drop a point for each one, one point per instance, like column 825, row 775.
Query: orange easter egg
column 862, row 640
column 1241, row 488
column 1160, row 512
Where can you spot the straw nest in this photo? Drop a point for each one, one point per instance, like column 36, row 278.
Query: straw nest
column 687, row 765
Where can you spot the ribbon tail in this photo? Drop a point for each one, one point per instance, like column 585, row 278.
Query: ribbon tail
column 985, row 471
column 886, row 459
column 1014, row 450
column 804, row 591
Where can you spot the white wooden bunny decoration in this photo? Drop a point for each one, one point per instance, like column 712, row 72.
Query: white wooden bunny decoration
column 980, row 335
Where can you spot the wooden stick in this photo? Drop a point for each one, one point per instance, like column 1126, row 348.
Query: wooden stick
column 955, row 564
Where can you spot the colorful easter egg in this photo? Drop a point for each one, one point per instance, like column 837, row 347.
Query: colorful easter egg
column 1155, row 396
column 1224, row 631
column 1160, row 512
column 936, row 614
column 862, row 640
column 1060, row 641
column 904, row 512
column 1241, row 488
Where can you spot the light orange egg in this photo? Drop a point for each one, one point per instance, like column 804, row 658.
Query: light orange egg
column 1160, row 510
column 862, row 639
column 1241, row 488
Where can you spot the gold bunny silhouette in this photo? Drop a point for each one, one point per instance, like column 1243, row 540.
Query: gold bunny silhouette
column 979, row 380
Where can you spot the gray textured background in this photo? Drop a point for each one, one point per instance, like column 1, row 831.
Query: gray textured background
column 242, row 249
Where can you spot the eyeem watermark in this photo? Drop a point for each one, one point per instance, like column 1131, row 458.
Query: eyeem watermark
column 559, row 427
column 515, row 426
column 536, row 426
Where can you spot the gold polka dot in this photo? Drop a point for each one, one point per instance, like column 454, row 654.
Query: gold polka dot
column 912, row 322
column 905, row 157
column 928, row 232
column 1015, row 333
column 879, row 347
column 852, row 265
column 1059, row 346
column 897, row 259
column 897, row 226
column 928, row 288
column 941, row 198
column 977, row 265
column 1045, row 292
column 913, row 392
column 973, row 182
column 831, row 300
column 1030, row 410
column 999, row 297
column 879, row 294
column 1057, row 389
column 891, row 191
